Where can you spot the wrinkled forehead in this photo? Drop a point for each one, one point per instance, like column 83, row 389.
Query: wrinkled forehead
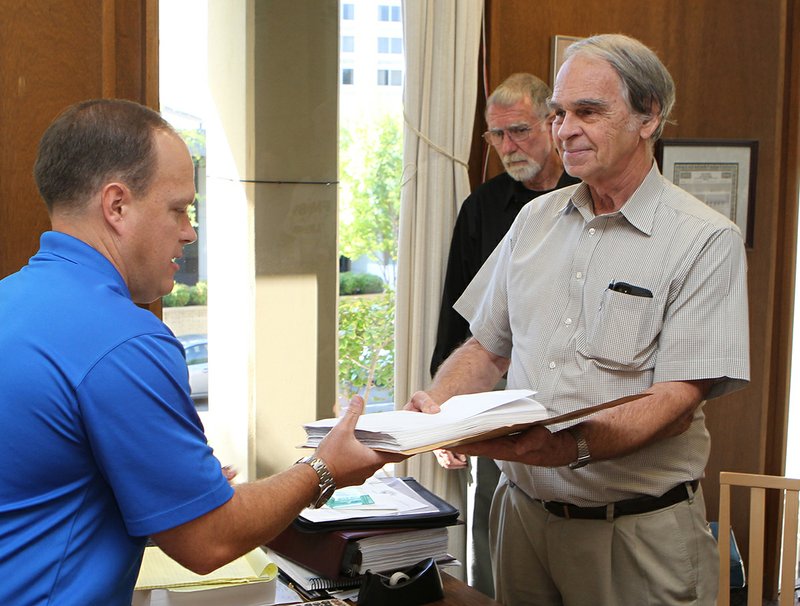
column 584, row 79
column 498, row 116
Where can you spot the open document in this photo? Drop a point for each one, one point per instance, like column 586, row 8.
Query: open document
column 462, row 419
column 380, row 502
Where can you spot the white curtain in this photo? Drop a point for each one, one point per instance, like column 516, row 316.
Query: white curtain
column 441, row 40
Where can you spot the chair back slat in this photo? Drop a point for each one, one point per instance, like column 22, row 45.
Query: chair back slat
column 755, row 576
column 789, row 549
column 758, row 485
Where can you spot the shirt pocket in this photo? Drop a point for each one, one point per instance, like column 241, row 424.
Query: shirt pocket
column 623, row 335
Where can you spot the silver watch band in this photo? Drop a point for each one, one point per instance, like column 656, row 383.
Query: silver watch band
column 584, row 456
column 327, row 485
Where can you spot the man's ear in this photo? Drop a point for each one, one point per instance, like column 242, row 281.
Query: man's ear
column 115, row 199
column 650, row 121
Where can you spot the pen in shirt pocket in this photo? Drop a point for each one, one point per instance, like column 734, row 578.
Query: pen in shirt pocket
column 630, row 289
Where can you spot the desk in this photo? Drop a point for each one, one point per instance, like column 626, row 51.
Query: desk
column 458, row 593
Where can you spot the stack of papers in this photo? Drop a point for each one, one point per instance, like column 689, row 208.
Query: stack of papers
column 377, row 497
column 389, row 552
column 248, row 580
column 462, row 419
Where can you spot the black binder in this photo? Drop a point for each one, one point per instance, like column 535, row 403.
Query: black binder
column 445, row 515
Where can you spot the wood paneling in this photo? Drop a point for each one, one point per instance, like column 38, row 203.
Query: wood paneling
column 731, row 62
column 55, row 54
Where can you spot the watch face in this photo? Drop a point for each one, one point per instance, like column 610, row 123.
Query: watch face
column 327, row 493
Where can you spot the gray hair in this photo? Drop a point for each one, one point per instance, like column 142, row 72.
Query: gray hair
column 645, row 80
column 520, row 86
column 96, row 140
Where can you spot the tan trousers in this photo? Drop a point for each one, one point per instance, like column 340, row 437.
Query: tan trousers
column 662, row 558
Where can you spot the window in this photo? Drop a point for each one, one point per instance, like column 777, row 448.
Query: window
column 347, row 75
column 390, row 45
column 197, row 354
column 348, row 11
column 348, row 44
column 390, row 77
column 370, row 173
column 183, row 96
column 388, row 13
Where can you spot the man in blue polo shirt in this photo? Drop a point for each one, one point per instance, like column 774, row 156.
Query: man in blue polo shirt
column 102, row 444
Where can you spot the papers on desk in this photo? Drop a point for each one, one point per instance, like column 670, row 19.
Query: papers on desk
column 384, row 502
column 247, row 581
column 309, row 581
column 375, row 497
column 462, row 419
column 159, row 571
column 390, row 552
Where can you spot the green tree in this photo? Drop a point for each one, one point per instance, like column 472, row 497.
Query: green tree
column 371, row 171
column 366, row 344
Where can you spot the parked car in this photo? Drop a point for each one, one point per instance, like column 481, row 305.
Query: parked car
column 196, row 347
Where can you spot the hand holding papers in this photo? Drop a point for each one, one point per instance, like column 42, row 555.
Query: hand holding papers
column 462, row 419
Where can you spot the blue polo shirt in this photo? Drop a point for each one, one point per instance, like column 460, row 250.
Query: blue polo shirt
column 102, row 445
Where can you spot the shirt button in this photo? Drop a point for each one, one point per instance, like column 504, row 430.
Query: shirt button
column 552, row 365
column 591, row 231
column 579, row 275
column 568, row 321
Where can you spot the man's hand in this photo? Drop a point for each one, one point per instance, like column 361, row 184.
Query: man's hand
column 449, row 459
column 535, row 446
column 421, row 401
column 230, row 473
column 350, row 462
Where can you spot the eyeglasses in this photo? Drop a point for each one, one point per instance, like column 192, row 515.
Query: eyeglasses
column 515, row 133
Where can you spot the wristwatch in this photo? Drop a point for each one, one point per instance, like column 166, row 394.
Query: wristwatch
column 584, row 456
column 326, row 484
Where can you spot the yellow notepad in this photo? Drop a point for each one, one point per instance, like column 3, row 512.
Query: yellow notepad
column 159, row 571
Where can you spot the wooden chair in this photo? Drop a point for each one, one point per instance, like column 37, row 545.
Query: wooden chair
column 758, row 485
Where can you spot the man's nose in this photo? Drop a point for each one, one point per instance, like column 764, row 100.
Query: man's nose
column 507, row 146
column 190, row 235
column 564, row 128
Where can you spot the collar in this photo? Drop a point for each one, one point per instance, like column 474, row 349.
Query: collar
column 56, row 244
column 639, row 210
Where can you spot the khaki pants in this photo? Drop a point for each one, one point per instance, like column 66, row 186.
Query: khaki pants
column 662, row 558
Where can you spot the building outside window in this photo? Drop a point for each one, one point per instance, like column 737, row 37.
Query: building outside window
column 348, row 12
column 348, row 44
column 388, row 13
column 347, row 75
column 390, row 45
column 390, row 77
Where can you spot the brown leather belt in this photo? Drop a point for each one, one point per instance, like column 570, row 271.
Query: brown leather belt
column 626, row 507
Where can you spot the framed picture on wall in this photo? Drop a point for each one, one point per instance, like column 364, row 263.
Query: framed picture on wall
column 720, row 172
column 558, row 45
